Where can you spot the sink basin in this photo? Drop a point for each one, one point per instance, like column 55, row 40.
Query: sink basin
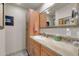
column 39, row 37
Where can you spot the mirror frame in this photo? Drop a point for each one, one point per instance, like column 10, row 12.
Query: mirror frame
column 2, row 25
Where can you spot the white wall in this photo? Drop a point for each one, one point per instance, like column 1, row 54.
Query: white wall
column 15, row 35
column 2, row 42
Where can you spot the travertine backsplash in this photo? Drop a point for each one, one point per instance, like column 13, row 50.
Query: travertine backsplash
column 61, row 31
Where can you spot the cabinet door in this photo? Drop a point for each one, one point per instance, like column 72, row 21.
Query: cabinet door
column 43, row 20
column 33, row 27
column 47, row 52
column 34, row 22
column 36, row 51
column 29, row 28
column 31, row 47
column 44, row 53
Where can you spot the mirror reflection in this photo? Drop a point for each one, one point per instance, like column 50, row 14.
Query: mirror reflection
column 60, row 14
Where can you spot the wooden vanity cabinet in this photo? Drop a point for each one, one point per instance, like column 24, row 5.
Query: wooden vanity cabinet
column 35, row 48
column 47, row 52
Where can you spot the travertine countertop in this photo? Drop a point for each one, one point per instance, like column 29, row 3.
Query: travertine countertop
column 63, row 48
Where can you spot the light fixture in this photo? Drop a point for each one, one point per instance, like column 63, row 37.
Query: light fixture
column 47, row 11
column 18, row 3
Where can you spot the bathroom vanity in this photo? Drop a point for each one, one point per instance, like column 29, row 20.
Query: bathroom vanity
column 49, row 47
column 39, row 49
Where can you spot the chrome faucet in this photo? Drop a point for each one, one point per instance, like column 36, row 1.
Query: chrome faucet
column 44, row 34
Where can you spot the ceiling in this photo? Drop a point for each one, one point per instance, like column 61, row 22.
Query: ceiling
column 28, row 5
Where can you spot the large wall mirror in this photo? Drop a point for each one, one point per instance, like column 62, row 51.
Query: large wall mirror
column 1, row 16
column 61, row 15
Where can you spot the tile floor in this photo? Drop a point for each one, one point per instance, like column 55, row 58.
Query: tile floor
column 20, row 53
